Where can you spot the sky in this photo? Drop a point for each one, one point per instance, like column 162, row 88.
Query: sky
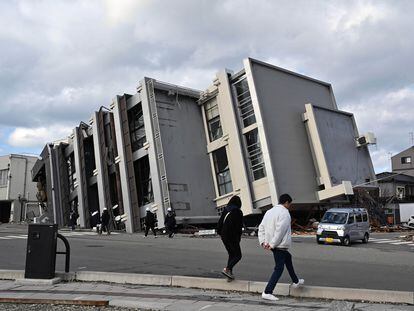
column 62, row 60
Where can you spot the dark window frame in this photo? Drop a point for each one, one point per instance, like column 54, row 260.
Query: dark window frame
column 145, row 190
column 222, row 170
column 136, row 127
column 70, row 165
column 213, row 118
column 406, row 160
column 254, row 154
column 244, row 102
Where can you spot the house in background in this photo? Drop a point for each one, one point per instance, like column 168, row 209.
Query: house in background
column 256, row 133
column 403, row 162
column 395, row 190
column 17, row 191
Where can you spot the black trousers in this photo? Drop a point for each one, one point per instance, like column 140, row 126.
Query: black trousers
column 147, row 229
column 282, row 258
column 234, row 251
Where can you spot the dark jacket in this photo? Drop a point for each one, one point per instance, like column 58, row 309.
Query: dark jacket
column 169, row 221
column 149, row 219
column 105, row 217
column 230, row 224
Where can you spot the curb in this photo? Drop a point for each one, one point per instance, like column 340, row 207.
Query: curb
column 100, row 303
column 282, row 289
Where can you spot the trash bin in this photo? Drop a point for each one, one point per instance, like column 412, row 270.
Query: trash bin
column 41, row 251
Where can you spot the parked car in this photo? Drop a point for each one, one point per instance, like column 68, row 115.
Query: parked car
column 411, row 221
column 343, row 225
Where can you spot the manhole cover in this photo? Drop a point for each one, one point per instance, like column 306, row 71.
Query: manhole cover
column 94, row 245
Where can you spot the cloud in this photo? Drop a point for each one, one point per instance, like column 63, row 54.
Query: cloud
column 57, row 68
column 37, row 137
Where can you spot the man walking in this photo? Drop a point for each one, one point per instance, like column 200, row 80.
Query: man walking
column 275, row 235
column 149, row 222
column 104, row 226
column 170, row 222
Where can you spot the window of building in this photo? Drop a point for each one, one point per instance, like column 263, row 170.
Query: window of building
column 213, row 120
column 400, row 192
column 222, row 170
column 136, row 127
column 70, row 163
column 406, row 160
column 3, row 177
column 255, row 155
column 244, row 102
column 143, row 181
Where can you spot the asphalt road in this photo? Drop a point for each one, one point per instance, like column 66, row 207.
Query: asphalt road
column 376, row 265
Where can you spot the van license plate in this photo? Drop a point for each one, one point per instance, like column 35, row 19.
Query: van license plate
column 329, row 240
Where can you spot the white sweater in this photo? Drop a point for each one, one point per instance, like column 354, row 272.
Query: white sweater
column 275, row 228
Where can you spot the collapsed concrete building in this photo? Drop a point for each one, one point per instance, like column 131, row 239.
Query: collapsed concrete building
column 257, row 133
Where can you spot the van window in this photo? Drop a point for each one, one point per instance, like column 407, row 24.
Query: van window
column 358, row 217
column 364, row 217
column 334, row 218
column 351, row 219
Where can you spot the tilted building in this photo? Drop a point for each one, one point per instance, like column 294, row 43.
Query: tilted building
column 257, row 133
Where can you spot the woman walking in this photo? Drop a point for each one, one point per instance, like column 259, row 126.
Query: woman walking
column 229, row 228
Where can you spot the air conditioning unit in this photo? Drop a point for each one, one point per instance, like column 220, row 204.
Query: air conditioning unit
column 367, row 139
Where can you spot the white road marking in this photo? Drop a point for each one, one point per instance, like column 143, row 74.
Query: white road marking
column 401, row 243
column 385, row 241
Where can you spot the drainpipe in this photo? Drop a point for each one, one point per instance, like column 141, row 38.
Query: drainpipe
column 8, row 181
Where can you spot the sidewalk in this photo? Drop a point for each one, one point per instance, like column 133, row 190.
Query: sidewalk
column 146, row 297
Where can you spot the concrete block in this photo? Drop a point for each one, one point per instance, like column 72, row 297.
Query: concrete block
column 124, row 278
column 11, row 274
column 282, row 289
column 209, row 283
column 38, row 281
column 139, row 304
column 66, row 276
column 337, row 293
column 341, row 306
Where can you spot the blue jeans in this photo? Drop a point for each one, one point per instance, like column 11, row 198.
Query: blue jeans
column 282, row 258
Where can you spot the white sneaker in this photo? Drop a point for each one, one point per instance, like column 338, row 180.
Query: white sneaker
column 269, row 297
column 299, row 283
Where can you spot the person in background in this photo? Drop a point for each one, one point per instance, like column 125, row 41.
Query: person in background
column 149, row 222
column 275, row 235
column 170, row 222
column 73, row 217
column 105, row 222
column 229, row 228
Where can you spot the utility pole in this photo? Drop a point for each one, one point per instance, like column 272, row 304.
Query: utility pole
column 390, row 157
column 411, row 135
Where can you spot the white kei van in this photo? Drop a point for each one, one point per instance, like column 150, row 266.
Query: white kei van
column 343, row 225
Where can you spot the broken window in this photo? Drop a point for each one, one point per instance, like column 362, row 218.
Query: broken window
column 255, row 155
column 144, row 183
column 222, row 170
column 244, row 102
column 70, row 164
column 213, row 120
column 136, row 127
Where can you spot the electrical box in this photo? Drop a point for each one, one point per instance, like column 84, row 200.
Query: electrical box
column 41, row 251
